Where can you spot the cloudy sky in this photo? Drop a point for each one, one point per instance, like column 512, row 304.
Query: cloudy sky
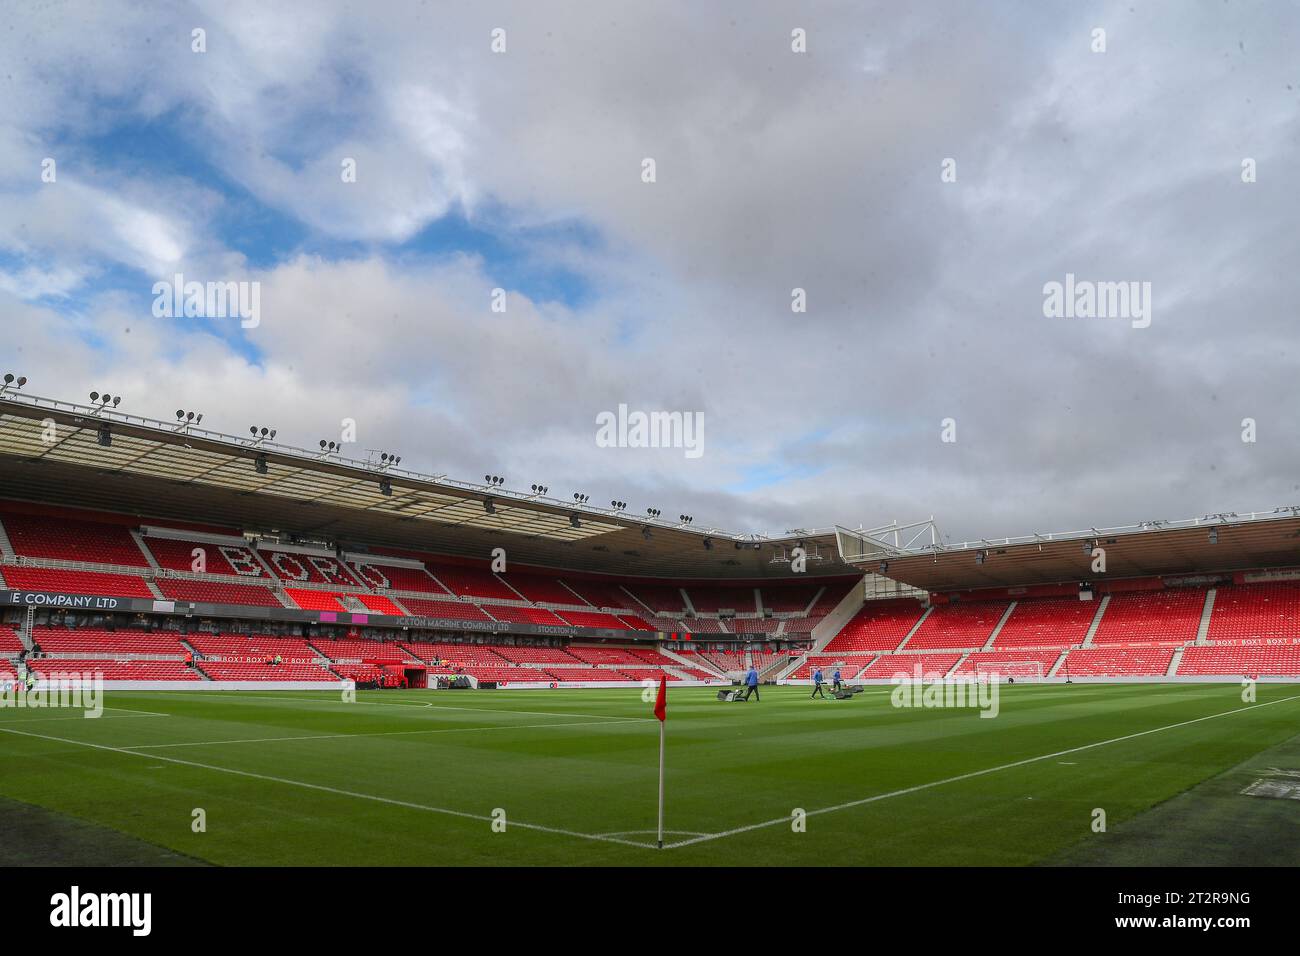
column 523, row 170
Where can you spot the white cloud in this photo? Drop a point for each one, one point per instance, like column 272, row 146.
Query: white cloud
column 775, row 171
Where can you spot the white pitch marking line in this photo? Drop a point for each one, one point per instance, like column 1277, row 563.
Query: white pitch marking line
column 83, row 717
column 380, row 733
column 391, row 703
column 968, row 776
column 333, row 790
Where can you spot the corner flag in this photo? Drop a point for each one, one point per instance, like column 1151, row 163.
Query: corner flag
column 661, row 711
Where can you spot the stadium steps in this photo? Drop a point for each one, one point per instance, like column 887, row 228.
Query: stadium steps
column 153, row 589
column 1051, row 671
column 450, row 593
column 24, row 630
column 792, row 665
column 962, row 660
column 353, row 604
column 997, row 628
column 148, row 555
column 686, row 603
column 1175, row 661
column 400, row 606
column 512, row 588
column 6, row 546
column 679, row 673
column 1096, row 621
column 771, row 671
column 829, row 627
column 1203, row 629
column 813, row 603
column 582, row 601
column 699, row 664
column 637, row 603
column 915, row 627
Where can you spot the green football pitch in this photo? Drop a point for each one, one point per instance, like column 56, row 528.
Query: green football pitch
column 570, row 778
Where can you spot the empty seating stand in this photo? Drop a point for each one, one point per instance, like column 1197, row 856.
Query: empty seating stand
column 1256, row 612
column 1241, row 660
column 217, row 592
column 176, row 554
column 68, row 539
column 541, row 589
column 523, row 615
column 265, row 671
column 76, row 582
column 1115, row 660
column 473, row 582
column 592, row 619
column 95, row 641
column 931, row 665
column 1029, row 662
column 388, row 577
column 296, row 567
column 960, row 625
column 711, row 600
column 1164, row 617
column 600, row 594
column 252, row 647
column 10, row 644
column 363, row 650
column 1047, row 622
column 449, row 610
column 108, row 669
column 876, row 627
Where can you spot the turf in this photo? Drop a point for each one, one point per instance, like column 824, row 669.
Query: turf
column 414, row 778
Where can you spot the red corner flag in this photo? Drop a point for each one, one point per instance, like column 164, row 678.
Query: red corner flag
column 661, row 711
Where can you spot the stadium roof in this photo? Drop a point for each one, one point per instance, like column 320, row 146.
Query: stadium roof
column 1212, row 543
column 178, row 471
column 182, row 472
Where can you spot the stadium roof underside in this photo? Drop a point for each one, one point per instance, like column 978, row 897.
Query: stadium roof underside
column 155, row 469
column 1213, row 543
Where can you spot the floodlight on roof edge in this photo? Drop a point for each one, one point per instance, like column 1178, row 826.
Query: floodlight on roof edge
column 184, row 419
column 104, row 400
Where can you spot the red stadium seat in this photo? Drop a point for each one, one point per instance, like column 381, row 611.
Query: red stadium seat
column 76, row 582
column 879, row 626
column 1167, row 617
column 961, row 625
column 43, row 536
column 1256, row 612
column 1241, row 660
